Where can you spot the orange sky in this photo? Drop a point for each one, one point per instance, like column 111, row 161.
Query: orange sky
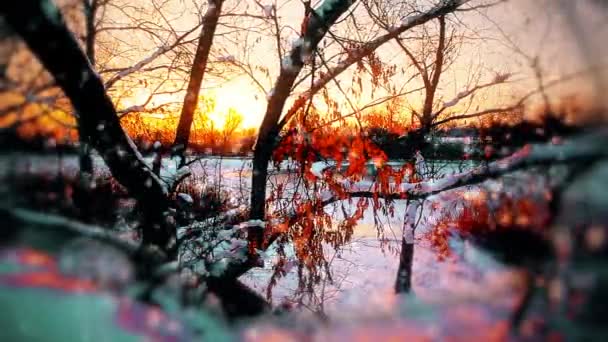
column 537, row 28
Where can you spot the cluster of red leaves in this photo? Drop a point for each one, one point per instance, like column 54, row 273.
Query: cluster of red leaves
column 380, row 72
column 306, row 148
column 313, row 228
column 476, row 218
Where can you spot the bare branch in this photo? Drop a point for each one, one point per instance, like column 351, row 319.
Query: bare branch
column 523, row 99
column 442, row 8
column 372, row 104
column 499, row 79
column 139, row 65
column 423, row 72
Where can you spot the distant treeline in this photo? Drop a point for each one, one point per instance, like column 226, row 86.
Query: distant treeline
column 12, row 141
column 525, row 132
column 471, row 142
column 449, row 144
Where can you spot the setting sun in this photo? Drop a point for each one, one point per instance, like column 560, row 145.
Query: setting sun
column 238, row 97
column 234, row 95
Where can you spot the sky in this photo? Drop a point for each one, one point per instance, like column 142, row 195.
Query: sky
column 567, row 37
column 561, row 36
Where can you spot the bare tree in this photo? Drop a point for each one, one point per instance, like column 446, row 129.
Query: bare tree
column 275, row 120
column 231, row 124
column 432, row 53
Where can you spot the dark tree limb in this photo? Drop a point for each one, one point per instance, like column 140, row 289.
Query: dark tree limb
column 90, row 12
column 42, row 27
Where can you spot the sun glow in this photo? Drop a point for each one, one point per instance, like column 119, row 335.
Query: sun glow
column 236, row 96
column 240, row 99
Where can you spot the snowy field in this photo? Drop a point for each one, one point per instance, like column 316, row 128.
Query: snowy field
column 364, row 271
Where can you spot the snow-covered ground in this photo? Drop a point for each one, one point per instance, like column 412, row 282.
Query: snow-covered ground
column 364, row 271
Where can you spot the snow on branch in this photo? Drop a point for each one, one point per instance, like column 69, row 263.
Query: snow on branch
column 314, row 27
column 141, row 108
column 499, row 79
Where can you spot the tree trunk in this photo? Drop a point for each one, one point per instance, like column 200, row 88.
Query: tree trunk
column 315, row 26
column 403, row 284
column 238, row 300
column 266, row 142
column 41, row 26
column 197, row 73
column 404, row 272
column 429, row 100
column 90, row 7
column 258, row 186
column 84, row 158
